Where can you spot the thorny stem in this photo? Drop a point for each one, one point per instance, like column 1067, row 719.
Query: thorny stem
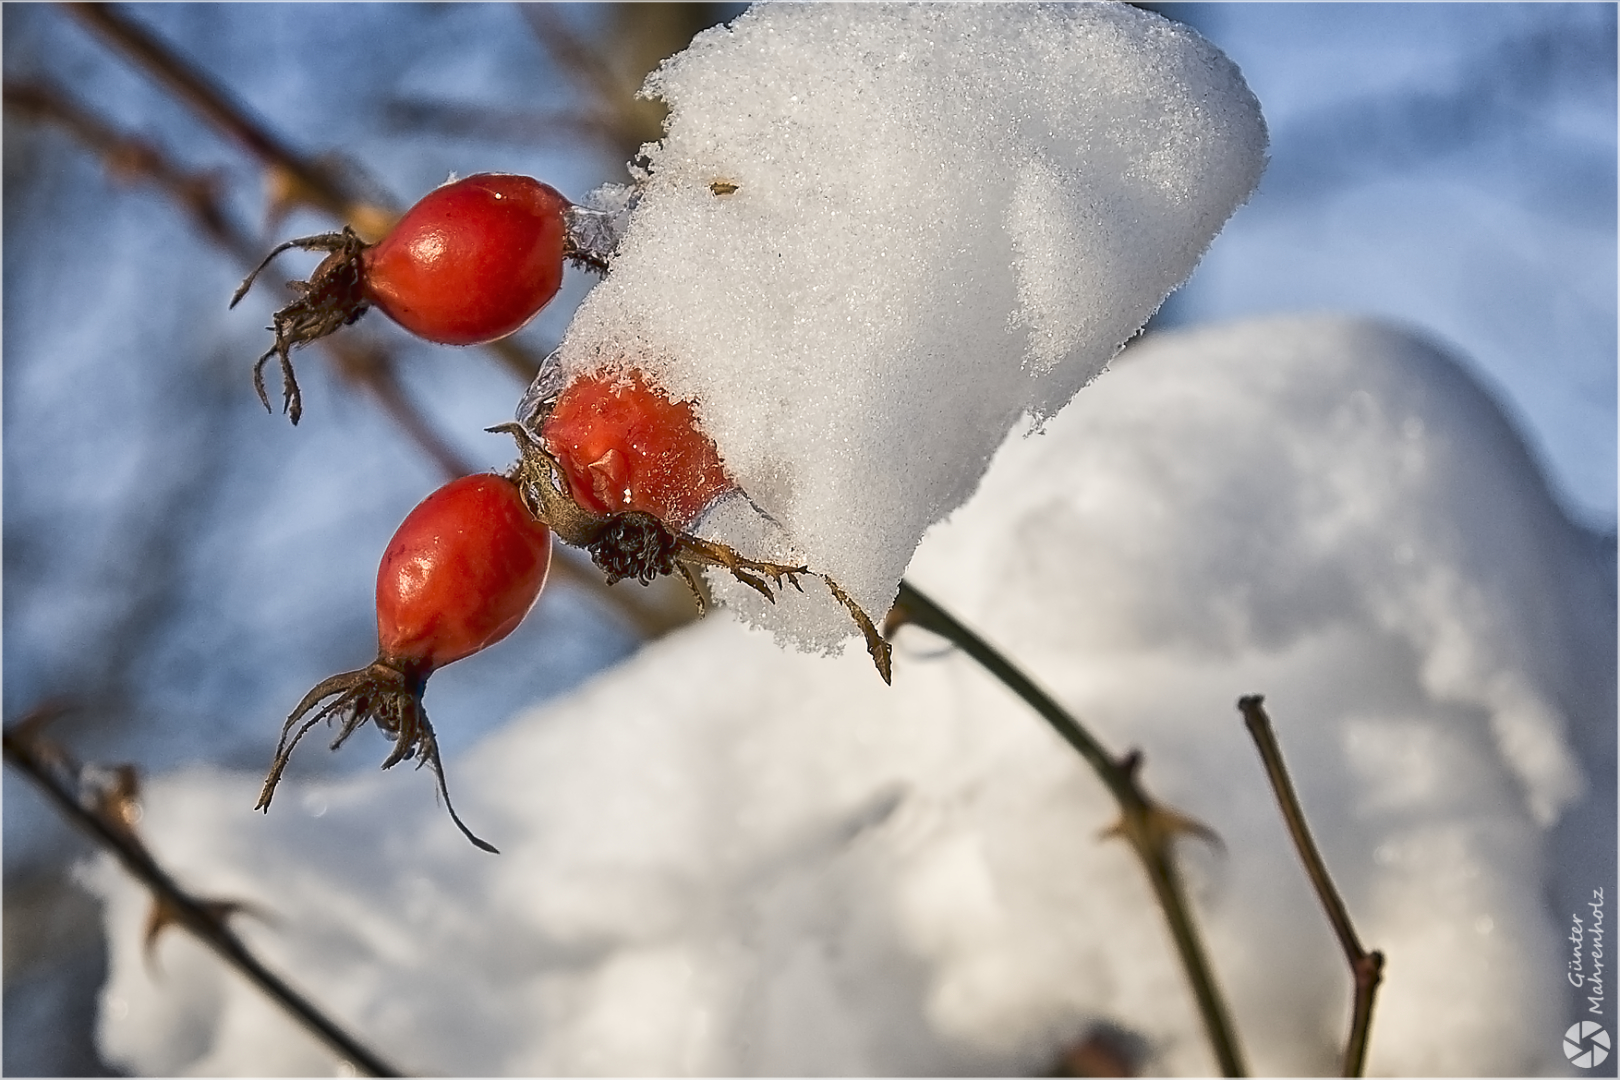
column 1366, row 968
column 60, row 777
column 1150, row 828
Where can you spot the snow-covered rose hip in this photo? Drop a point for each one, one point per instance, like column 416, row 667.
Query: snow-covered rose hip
column 460, row 574
column 471, row 262
column 618, row 468
column 626, row 446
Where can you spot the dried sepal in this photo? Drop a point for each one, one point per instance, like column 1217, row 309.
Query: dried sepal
column 386, row 696
column 540, row 481
column 331, row 299
column 638, row 545
column 877, row 646
column 635, row 545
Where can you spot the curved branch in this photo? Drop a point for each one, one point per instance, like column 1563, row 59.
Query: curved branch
column 1366, row 968
column 1149, row 827
column 62, row 779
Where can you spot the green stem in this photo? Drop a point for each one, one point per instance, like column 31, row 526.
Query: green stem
column 1150, row 828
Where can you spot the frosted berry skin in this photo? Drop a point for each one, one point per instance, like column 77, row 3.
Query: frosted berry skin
column 460, row 574
column 625, row 446
column 472, row 261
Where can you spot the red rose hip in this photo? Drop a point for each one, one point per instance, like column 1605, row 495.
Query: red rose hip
column 624, row 472
column 460, row 574
column 471, row 262
column 624, row 445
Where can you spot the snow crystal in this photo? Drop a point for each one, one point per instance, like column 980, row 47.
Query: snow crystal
column 872, row 240
column 727, row 858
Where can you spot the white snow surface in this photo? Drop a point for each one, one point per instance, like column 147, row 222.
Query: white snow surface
column 945, row 217
column 727, row 858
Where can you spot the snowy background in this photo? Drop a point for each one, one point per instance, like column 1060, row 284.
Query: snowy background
column 1379, row 555
column 725, row 858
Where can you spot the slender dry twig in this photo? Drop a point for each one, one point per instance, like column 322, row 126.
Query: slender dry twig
column 372, row 369
column 308, row 180
column 103, row 814
column 520, row 127
column 128, row 155
column 1366, row 968
column 1148, row 826
column 131, row 157
column 608, row 80
column 575, row 55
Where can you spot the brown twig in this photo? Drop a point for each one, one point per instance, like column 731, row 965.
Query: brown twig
column 372, row 369
column 522, row 127
column 1366, row 968
column 1149, row 827
column 130, row 157
column 102, row 811
column 311, row 182
column 609, row 81
column 578, row 59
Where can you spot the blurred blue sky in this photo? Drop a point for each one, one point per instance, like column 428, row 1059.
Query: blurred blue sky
column 1451, row 166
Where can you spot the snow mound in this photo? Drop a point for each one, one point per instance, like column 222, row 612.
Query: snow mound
column 727, row 858
column 875, row 236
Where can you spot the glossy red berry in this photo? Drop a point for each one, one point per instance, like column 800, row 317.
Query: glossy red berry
column 624, row 445
column 461, row 572
column 472, row 261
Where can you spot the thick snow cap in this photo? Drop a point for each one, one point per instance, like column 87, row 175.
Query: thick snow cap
column 876, row 236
